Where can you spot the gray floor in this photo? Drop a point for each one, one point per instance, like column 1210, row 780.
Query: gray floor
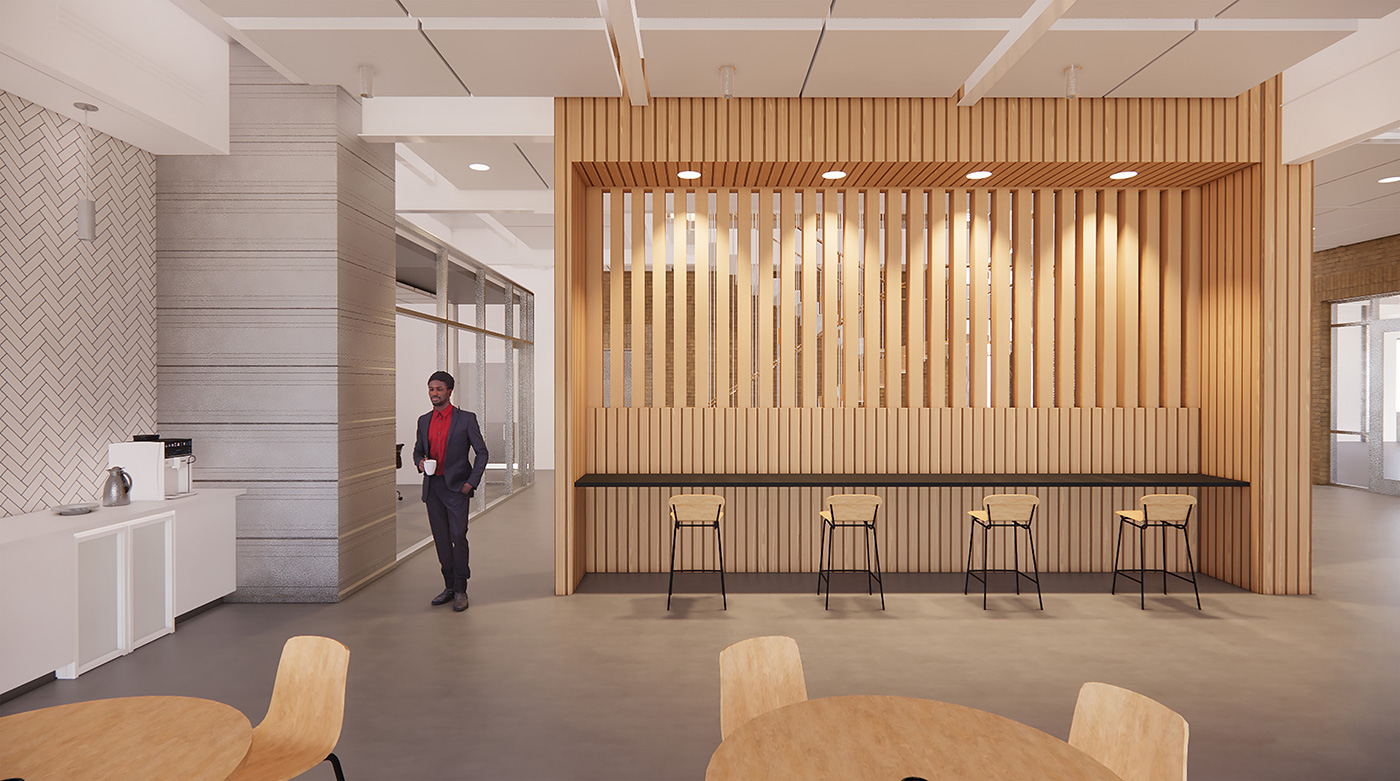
column 606, row 684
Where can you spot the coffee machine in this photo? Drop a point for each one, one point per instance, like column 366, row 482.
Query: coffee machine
column 178, row 456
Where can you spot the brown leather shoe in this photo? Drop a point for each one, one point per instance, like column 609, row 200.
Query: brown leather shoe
column 459, row 601
column 443, row 598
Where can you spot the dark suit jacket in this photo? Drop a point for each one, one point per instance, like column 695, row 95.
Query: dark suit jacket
column 459, row 467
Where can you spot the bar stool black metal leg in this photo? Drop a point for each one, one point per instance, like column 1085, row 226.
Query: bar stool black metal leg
column 719, row 545
column 1016, row 559
column 1142, row 566
column 335, row 765
column 1164, row 559
column 985, row 527
column 821, row 557
column 967, row 574
column 1117, row 546
column 879, row 574
column 1035, row 567
column 670, row 586
column 869, row 578
column 1192, row 564
column 830, row 560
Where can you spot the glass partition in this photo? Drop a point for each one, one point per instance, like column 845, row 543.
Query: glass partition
column 456, row 314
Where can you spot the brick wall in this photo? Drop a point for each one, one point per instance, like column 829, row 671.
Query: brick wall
column 1356, row 270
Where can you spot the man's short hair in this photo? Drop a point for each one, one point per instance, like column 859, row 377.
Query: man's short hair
column 444, row 378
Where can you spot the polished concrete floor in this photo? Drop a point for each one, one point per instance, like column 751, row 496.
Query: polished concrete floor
column 608, row 685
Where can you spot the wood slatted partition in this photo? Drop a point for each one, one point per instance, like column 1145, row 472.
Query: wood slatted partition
column 1052, row 308
column 900, row 320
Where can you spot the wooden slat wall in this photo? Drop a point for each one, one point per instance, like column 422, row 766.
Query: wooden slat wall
column 924, row 529
column 1036, row 324
column 1256, row 273
column 1177, row 295
column 891, row 131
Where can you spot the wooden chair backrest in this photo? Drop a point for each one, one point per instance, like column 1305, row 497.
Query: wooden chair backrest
column 1174, row 508
column 853, row 508
column 1136, row 737
column 696, row 507
column 303, row 721
column 1010, row 507
column 756, row 676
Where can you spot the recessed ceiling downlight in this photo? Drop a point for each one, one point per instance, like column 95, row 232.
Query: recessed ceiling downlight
column 689, row 174
column 979, row 174
column 834, row 175
column 1389, row 180
column 1123, row 175
column 479, row 167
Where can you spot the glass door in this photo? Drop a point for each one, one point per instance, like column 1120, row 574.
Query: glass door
column 1351, row 456
column 1366, row 394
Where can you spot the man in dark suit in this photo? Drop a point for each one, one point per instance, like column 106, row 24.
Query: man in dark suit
column 445, row 435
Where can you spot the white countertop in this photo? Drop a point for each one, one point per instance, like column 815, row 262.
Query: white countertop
column 42, row 522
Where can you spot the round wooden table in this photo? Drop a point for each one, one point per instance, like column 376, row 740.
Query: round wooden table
column 129, row 737
column 873, row 737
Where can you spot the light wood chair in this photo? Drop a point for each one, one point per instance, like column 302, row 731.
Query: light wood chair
column 756, row 676
column 850, row 511
column 696, row 511
column 1163, row 511
column 303, row 721
column 1136, row 737
column 1015, row 511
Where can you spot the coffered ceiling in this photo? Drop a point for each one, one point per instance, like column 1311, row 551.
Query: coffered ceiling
column 813, row 48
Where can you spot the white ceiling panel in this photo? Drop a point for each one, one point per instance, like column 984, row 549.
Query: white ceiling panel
column 897, row 63
column 1375, row 160
column 930, row 9
column 767, row 63
column 1224, row 58
column 405, row 65
column 1146, row 9
column 541, row 156
column 535, row 238
column 510, row 170
column 1349, row 226
column 1310, row 9
column 1106, row 59
column 514, row 58
column 294, row 8
column 1348, row 177
column 728, row 9
column 564, row 9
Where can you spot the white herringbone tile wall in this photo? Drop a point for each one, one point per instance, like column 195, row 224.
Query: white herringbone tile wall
column 78, row 334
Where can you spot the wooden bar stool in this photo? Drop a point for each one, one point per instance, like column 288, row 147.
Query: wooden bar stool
column 696, row 511
column 850, row 511
column 1164, row 511
column 1005, row 510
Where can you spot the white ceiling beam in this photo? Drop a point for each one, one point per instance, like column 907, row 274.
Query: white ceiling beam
column 411, row 120
column 1344, row 93
column 626, row 36
column 1032, row 25
column 414, row 196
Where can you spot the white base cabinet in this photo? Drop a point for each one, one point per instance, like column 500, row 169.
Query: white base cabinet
column 79, row 591
column 126, row 590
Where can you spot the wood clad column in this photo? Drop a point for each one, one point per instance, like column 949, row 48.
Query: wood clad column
column 1257, row 269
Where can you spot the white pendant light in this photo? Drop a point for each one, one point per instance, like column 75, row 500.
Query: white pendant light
column 87, row 209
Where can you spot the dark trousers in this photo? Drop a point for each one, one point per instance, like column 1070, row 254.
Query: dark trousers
column 447, row 517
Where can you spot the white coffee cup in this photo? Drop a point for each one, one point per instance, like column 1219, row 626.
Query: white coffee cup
column 429, row 466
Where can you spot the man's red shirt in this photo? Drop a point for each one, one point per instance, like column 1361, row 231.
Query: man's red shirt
column 438, row 427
